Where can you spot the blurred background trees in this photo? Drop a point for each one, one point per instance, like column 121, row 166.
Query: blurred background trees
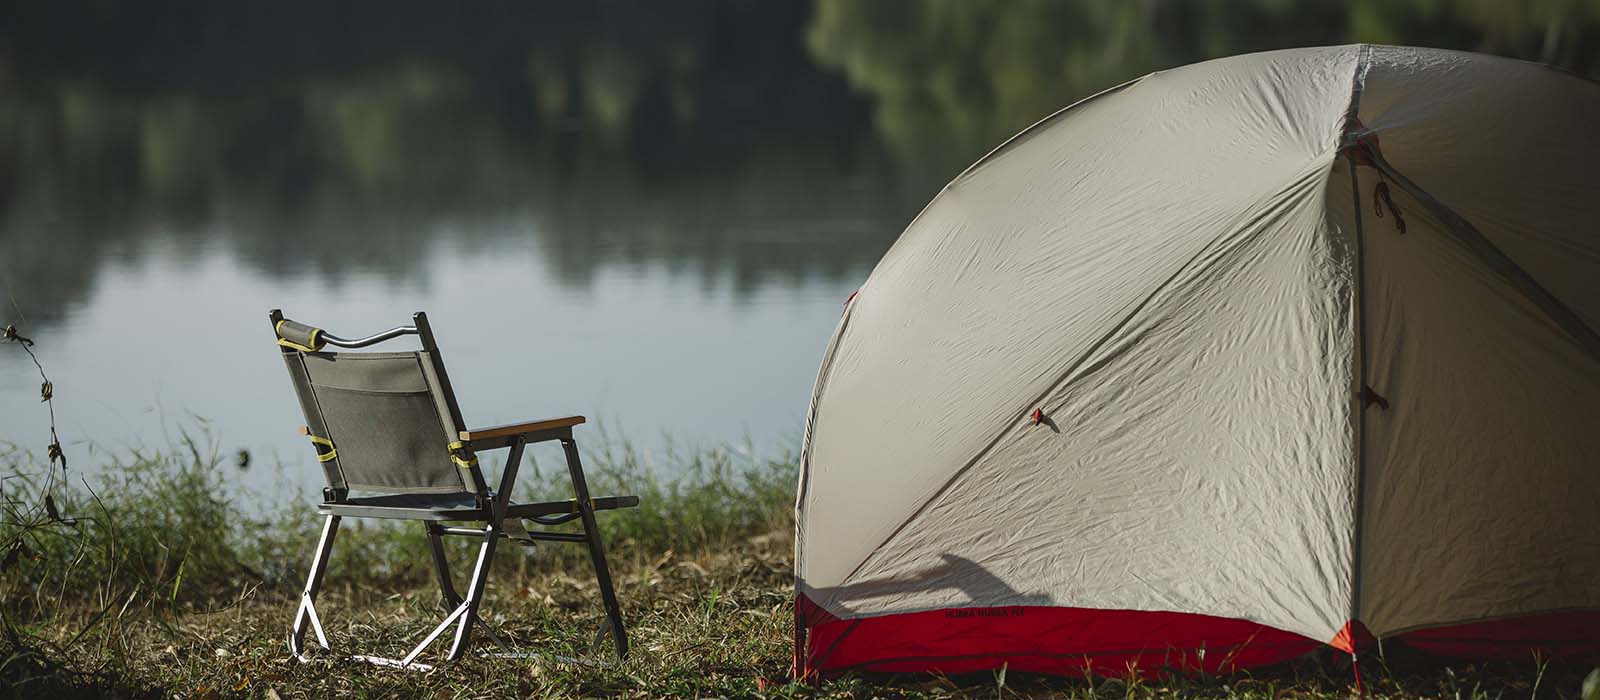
column 959, row 76
column 331, row 124
column 178, row 98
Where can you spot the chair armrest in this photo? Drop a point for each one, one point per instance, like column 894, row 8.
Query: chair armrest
column 532, row 431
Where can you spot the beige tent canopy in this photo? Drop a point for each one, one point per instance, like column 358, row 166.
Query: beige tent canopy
column 1221, row 365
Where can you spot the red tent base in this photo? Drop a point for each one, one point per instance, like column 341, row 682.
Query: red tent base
column 1076, row 641
column 1559, row 636
column 1062, row 641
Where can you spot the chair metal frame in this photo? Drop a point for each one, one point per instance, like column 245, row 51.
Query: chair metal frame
column 492, row 510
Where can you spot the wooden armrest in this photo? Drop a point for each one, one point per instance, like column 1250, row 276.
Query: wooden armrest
column 515, row 429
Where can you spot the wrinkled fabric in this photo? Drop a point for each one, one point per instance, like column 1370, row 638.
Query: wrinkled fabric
column 1169, row 273
column 1482, row 481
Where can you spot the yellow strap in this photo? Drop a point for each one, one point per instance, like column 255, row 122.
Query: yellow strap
column 315, row 346
column 324, row 456
column 463, row 463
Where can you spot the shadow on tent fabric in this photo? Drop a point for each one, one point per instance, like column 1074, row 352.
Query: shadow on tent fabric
column 1029, row 632
column 969, row 578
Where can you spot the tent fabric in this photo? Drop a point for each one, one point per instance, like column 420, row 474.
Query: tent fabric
column 1060, row 640
column 1186, row 277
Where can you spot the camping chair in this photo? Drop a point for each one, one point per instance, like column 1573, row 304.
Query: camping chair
column 386, row 425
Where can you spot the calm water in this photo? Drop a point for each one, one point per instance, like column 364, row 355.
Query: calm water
column 647, row 216
column 172, row 332
column 704, row 328
column 645, row 212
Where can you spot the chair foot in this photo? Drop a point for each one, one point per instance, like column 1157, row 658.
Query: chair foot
column 306, row 614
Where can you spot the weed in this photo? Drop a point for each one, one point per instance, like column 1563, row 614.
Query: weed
column 163, row 587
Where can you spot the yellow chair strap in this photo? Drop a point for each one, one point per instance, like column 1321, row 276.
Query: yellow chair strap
column 315, row 346
column 324, row 456
column 455, row 456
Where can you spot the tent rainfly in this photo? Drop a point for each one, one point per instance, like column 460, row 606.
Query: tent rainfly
column 1222, row 365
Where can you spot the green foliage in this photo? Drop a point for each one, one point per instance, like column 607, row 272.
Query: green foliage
column 163, row 589
column 153, row 527
column 687, row 500
column 955, row 78
column 167, row 529
column 153, row 537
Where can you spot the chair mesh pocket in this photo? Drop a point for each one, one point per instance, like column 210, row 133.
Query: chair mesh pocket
column 388, row 440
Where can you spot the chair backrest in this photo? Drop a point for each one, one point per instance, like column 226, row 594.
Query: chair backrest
column 382, row 422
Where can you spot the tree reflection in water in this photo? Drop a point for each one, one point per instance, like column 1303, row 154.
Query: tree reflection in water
column 319, row 138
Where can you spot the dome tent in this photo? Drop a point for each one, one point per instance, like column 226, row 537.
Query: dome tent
column 1222, row 365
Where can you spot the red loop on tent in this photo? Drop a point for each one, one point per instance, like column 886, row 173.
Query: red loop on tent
column 1037, row 416
column 1365, row 146
column 1363, row 150
column 851, row 298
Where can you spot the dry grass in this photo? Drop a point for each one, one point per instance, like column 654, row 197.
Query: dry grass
column 145, row 600
column 709, row 624
column 706, row 625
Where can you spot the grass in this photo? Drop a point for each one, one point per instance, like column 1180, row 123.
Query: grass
column 160, row 588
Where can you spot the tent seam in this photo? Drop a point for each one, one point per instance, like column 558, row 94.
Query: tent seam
column 1358, row 410
column 811, row 421
column 1017, row 138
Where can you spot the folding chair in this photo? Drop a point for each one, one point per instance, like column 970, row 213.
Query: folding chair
column 385, row 425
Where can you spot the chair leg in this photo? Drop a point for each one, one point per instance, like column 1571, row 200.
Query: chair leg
column 447, row 589
column 441, row 566
column 597, row 549
column 307, row 611
column 465, row 613
column 480, row 577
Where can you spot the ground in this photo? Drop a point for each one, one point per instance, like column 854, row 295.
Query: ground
column 702, row 626
column 154, row 583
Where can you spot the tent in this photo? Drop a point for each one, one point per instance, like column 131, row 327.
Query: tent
column 1218, row 367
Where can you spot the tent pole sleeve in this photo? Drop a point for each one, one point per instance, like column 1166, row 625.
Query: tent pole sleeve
column 1352, row 121
column 1358, row 410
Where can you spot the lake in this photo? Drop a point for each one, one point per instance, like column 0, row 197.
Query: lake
column 686, row 309
column 648, row 213
column 683, row 341
column 664, row 250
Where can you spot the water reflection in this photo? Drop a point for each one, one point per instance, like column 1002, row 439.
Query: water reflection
column 698, row 134
column 687, row 189
column 327, row 137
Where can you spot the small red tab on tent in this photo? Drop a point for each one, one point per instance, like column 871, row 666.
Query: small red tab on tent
column 1037, row 416
column 1352, row 638
column 851, row 298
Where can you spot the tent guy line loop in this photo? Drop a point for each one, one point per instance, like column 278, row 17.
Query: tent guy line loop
column 1475, row 242
column 1363, row 147
column 1381, row 199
